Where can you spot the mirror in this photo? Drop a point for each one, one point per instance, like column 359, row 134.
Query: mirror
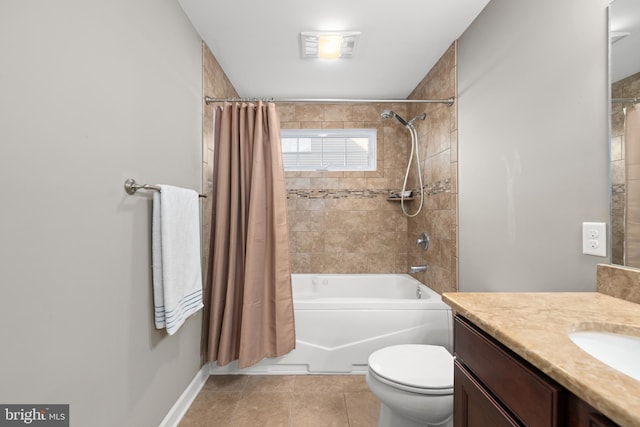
column 624, row 37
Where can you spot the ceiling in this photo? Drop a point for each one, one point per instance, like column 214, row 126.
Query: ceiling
column 257, row 43
column 624, row 16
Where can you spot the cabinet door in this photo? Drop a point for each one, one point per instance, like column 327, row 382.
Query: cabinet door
column 580, row 414
column 473, row 406
column 599, row 420
column 533, row 399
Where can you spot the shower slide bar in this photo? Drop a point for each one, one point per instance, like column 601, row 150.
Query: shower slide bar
column 449, row 101
column 130, row 186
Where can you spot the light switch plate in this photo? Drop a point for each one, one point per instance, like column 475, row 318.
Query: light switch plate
column 594, row 238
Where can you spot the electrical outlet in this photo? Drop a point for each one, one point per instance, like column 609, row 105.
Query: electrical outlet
column 594, row 238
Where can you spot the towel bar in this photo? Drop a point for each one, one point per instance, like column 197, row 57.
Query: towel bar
column 130, row 186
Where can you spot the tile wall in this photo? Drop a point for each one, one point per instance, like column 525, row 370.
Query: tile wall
column 438, row 143
column 215, row 84
column 342, row 222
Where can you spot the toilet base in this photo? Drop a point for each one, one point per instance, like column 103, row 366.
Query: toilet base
column 400, row 408
column 389, row 418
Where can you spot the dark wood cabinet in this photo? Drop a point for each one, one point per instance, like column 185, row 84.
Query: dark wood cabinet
column 474, row 406
column 582, row 415
column 495, row 387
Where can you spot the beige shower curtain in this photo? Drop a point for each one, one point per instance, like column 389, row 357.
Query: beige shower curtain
column 632, row 171
column 249, row 314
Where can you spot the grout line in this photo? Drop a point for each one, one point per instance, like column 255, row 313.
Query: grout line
column 292, row 394
column 346, row 407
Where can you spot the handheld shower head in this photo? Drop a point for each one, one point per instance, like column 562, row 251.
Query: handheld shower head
column 387, row 114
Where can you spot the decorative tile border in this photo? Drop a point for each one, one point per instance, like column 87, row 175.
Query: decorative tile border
column 438, row 187
column 432, row 189
column 337, row 194
column 617, row 188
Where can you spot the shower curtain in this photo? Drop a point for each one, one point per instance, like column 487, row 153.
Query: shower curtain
column 632, row 171
column 249, row 299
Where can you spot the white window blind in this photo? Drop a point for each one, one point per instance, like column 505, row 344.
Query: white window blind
column 329, row 149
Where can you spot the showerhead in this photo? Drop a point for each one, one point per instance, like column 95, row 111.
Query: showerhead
column 387, row 114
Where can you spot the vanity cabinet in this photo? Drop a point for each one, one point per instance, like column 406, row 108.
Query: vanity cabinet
column 582, row 415
column 474, row 405
column 495, row 387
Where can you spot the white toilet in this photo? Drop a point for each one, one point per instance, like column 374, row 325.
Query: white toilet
column 414, row 383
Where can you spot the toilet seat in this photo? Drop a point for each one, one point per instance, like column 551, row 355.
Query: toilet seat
column 416, row 368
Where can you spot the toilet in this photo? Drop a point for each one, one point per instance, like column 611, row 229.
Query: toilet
column 414, row 383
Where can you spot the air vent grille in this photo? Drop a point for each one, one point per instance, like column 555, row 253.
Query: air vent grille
column 310, row 43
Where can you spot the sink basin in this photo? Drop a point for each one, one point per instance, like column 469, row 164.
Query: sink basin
column 619, row 351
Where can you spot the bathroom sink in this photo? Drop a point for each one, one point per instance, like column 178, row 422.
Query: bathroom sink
column 617, row 350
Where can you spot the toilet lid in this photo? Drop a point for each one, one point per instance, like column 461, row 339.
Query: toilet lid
column 414, row 365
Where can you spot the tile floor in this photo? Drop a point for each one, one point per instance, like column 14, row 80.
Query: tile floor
column 284, row 400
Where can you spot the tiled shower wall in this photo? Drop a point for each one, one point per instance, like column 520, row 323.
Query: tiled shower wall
column 342, row 222
column 626, row 88
column 216, row 85
column 438, row 146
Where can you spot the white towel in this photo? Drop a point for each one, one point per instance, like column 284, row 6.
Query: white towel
column 177, row 274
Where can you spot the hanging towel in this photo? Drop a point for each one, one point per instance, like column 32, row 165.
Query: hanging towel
column 177, row 274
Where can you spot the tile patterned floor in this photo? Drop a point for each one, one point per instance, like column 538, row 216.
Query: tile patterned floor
column 284, row 400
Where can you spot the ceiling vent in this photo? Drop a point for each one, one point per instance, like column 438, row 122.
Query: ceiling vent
column 329, row 45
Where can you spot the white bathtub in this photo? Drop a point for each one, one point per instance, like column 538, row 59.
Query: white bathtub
column 342, row 318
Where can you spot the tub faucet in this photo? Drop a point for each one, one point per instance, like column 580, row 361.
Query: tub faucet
column 417, row 268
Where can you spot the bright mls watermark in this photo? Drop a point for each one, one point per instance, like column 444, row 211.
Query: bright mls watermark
column 34, row 415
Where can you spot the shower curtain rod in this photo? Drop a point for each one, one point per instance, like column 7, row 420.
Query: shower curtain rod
column 448, row 101
column 627, row 100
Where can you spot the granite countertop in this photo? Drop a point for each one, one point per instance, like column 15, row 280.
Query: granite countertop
column 535, row 326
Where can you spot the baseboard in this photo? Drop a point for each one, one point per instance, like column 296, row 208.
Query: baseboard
column 177, row 411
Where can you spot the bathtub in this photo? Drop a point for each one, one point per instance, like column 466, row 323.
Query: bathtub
column 342, row 318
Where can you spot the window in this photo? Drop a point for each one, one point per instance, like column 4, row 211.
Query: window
column 329, row 149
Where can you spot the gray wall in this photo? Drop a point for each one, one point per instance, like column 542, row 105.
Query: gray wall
column 533, row 144
column 92, row 92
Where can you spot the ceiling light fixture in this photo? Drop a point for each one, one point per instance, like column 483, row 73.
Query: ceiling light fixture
column 329, row 45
